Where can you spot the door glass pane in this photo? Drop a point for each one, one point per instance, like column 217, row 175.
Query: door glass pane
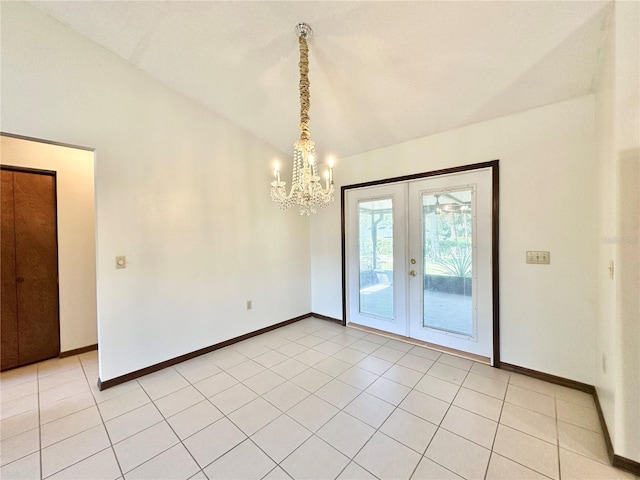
column 448, row 253
column 375, row 241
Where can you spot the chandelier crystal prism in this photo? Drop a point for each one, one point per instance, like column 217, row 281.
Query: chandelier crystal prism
column 307, row 190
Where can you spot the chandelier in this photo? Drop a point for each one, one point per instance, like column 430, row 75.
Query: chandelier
column 306, row 187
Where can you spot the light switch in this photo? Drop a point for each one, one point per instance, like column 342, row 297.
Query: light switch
column 541, row 257
column 121, row 262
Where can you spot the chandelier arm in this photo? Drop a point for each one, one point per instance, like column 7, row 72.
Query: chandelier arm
column 305, row 103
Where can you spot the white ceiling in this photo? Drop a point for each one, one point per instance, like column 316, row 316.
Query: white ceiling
column 381, row 72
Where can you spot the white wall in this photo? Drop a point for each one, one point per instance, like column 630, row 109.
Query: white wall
column 76, row 232
column 627, row 157
column 618, row 136
column 183, row 193
column 547, row 185
column 606, row 329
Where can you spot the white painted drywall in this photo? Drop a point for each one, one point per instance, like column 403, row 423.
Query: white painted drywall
column 76, row 232
column 606, row 326
column 618, row 135
column 183, row 193
column 547, row 184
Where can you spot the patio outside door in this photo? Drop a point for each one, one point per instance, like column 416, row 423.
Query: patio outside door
column 377, row 291
column 450, row 293
column 419, row 259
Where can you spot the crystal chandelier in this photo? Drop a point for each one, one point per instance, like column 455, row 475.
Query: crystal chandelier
column 306, row 188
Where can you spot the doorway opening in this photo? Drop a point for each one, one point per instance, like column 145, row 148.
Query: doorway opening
column 74, row 169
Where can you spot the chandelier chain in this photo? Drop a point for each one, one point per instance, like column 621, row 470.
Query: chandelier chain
column 305, row 102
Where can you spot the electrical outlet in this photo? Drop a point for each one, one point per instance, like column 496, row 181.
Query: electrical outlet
column 249, row 304
column 611, row 269
column 541, row 257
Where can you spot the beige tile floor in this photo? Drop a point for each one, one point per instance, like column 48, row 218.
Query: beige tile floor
column 312, row 400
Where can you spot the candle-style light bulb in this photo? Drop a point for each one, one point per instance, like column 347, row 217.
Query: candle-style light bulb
column 276, row 172
column 331, row 169
column 311, row 160
column 326, row 177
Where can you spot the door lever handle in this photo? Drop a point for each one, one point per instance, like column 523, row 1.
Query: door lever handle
column 412, row 273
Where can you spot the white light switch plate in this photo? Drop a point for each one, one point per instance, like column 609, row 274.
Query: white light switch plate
column 540, row 257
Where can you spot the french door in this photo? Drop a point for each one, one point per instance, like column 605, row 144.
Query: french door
column 419, row 259
column 377, row 246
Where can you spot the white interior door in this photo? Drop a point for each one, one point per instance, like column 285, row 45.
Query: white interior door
column 376, row 241
column 450, row 248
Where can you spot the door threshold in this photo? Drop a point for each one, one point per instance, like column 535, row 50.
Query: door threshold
column 420, row 343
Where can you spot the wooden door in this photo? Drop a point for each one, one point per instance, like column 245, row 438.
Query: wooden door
column 9, row 322
column 35, row 262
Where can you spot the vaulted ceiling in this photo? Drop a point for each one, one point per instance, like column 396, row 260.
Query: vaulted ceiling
column 381, row 72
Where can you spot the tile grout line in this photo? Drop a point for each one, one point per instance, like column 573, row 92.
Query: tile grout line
column 39, row 424
column 555, row 407
column 256, row 445
column 104, row 425
column 77, row 433
column 524, row 433
column 274, row 468
column 495, row 435
column 248, row 437
column 512, row 428
column 275, row 406
column 74, row 434
column 164, row 419
column 535, row 438
column 376, row 429
column 352, row 460
column 451, row 404
column 439, row 426
column 180, row 441
column 313, row 434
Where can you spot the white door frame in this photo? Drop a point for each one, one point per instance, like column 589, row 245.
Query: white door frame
column 494, row 166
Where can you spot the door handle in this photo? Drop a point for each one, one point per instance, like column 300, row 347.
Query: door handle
column 412, row 273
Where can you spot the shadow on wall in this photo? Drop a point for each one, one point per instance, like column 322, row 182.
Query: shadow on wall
column 536, row 83
column 628, row 278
